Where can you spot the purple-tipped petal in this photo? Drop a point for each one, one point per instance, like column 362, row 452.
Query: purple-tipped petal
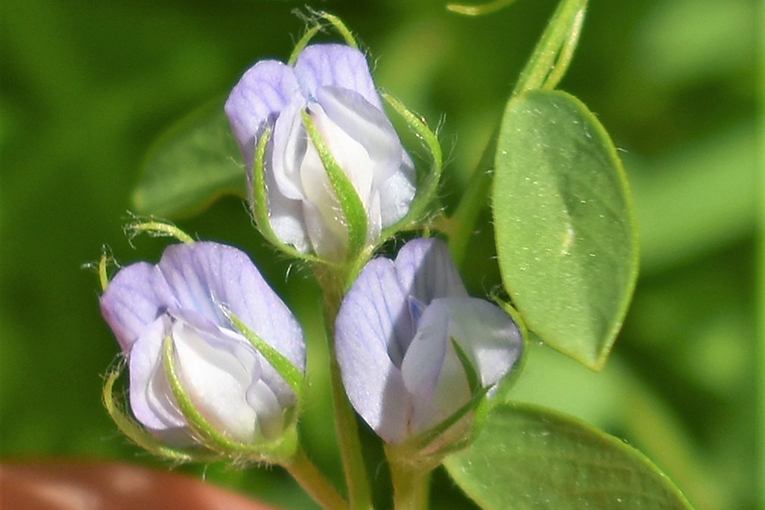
column 133, row 300
column 335, row 65
column 370, row 329
column 427, row 272
column 264, row 90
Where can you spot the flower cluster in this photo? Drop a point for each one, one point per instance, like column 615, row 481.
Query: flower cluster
column 216, row 358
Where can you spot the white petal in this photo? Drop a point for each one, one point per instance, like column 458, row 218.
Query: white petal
column 289, row 146
column 151, row 398
column 217, row 373
column 397, row 193
column 369, row 127
column 487, row 335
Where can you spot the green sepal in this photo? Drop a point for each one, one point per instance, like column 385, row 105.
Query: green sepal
column 426, row 191
column 136, row 433
column 316, row 27
column 156, row 228
column 350, row 202
column 429, row 447
column 473, row 377
column 291, row 374
column 279, row 451
column 259, row 202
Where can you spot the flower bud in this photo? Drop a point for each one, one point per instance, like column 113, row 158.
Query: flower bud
column 185, row 326
column 414, row 349
column 334, row 170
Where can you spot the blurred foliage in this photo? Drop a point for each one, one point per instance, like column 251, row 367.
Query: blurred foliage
column 87, row 87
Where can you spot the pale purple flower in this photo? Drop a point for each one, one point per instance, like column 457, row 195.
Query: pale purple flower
column 394, row 336
column 333, row 84
column 189, row 296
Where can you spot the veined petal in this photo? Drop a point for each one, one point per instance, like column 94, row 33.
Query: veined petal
column 209, row 278
column 216, row 373
column 426, row 270
column 264, row 90
column 133, row 300
column 335, row 65
column 371, row 327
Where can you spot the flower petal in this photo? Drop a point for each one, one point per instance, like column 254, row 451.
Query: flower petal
column 209, row 278
column 426, row 270
column 290, row 143
column 432, row 371
column 369, row 127
column 133, row 300
column 263, row 91
column 335, row 65
column 371, row 334
column 216, row 374
column 397, row 193
column 487, row 335
column 151, row 398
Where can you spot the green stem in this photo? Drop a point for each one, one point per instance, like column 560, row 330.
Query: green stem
column 314, row 483
column 555, row 49
column 471, row 203
column 411, row 486
column 359, row 492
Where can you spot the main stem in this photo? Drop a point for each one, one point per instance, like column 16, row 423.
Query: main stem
column 359, row 492
column 411, row 486
column 314, row 483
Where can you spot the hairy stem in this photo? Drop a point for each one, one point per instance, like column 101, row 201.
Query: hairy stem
column 314, row 483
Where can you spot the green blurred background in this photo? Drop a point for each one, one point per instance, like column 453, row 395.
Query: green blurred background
column 87, row 86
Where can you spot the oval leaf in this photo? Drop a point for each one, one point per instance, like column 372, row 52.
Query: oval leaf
column 193, row 163
column 527, row 457
column 566, row 243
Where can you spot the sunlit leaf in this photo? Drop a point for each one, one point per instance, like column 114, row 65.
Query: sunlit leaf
column 192, row 164
column 564, row 229
column 528, row 457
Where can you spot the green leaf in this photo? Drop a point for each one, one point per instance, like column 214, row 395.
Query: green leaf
column 566, row 241
column 190, row 166
column 528, row 457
